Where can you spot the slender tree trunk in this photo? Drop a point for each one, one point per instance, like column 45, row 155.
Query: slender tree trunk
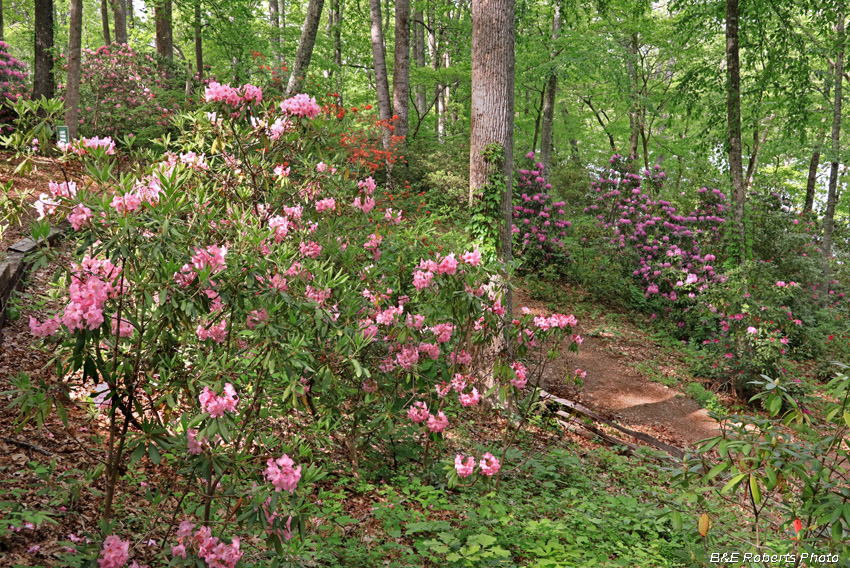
column 759, row 138
column 305, row 47
column 164, row 35
column 733, row 117
column 119, row 10
column 634, row 111
column 812, row 178
column 131, row 16
column 274, row 20
column 2, row 31
column 434, row 52
column 401, row 68
column 104, row 18
column 831, row 198
column 492, row 119
column 419, row 58
column 539, row 114
column 380, row 66
column 549, row 103
column 199, row 41
column 72, row 89
column 338, row 7
column 42, row 83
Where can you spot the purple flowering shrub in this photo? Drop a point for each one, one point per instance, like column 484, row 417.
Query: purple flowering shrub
column 124, row 91
column 241, row 315
column 13, row 79
column 540, row 224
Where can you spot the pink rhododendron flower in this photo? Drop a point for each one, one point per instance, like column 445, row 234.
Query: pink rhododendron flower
column 472, row 258
column 310, row 249
column 282, row 475
column 79, row 216
column 215, row 405
column 216, row 332
column 443, row 331
column 178, row 550
column 370, row 386
column 463, row 358
column 448, row 265
column 752, row 330
column 45, row 206
column 422, row 280
column 114, row 553
column 46, row 329
column 443, row 389
column 328, row 204
column 459, row 382
column 430, row 350
column 193, row 446
column 407, row 357
column 463, row 467
column 489, row 465
column 470, row 399
column 126, row 203
column 123, row 330
column 256, row 317
column 365, row 205
column 368, row 185
column 418, row 412
column 521, row 379
column 301, row 105
column 437, row 423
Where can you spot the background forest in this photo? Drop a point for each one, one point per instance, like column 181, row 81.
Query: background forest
column 424, row 283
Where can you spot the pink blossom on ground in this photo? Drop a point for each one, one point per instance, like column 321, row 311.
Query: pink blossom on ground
column 465, row 467
column 114, row 553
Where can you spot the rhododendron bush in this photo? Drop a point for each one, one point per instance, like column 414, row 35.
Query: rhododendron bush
column 248, row 302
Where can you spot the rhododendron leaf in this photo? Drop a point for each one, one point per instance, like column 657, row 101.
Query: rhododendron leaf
column 222, row 429
column 137, row 454
column 715, row 471
column 153, row 454
column 847, row 421
column 734, row 482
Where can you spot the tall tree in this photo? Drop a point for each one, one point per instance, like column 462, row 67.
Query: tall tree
column 401, row 67
column 274, row 20
column 549, row 104
column 2, row 32
column 829, row 216
column 305, row 46
column 419, row 58
column 164, row 33
column 733, row 117
column 379, row 65
column 131, row 16
column 72, row 88
column 42, row 81
column 492, row 116
column 199, row 41
column 104, row 18
column 119, row 9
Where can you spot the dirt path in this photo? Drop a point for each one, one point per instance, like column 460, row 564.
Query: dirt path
column 621, row 393
column 616, row 390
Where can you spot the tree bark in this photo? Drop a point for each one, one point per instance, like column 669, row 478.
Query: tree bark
column 274, row 20
column 305, row 47
column 434, row 52
column 42, row 82
column 131, row 17
column 382, row 87
column 733, row 118
column 549, row 103
column 401, row 68
column 492, row 120
column 2, row 31
column 72, row 88
column 164, row 34
column 199, row 41
column 634, row 111
column 829, row 216
column 119, row 10
column 419, row 58
column 104, row 18
column 812, row 178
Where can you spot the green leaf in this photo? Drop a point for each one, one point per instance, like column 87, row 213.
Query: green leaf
column 733, row 483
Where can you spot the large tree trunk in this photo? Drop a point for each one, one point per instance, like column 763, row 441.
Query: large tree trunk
column 42, row 81
column 305, row 47
column 634, row 111
column 549, row 103
column 2, row 32
column 274, row 20
column 733, row 118
column 120, row 11
column 164, row 34
column 419, row 58
column 72, row 89
column 812, row 178
column 380, row 66
column 829, row 216
column 104, row 18
column 199, row 41
column 492, row 118
column 401, row 67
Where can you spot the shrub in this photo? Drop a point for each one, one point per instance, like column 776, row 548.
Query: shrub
column 13, row 79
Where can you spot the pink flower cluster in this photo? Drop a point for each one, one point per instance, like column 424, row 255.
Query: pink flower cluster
column 211, row 257
column 215, row 405
column 489, row 465
column 114, row 553
column 301, row 105
column 92, row 283
column 365, row 202
column 282, row 475
column 233, row 96
column 210, row 548
column 82, row 146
